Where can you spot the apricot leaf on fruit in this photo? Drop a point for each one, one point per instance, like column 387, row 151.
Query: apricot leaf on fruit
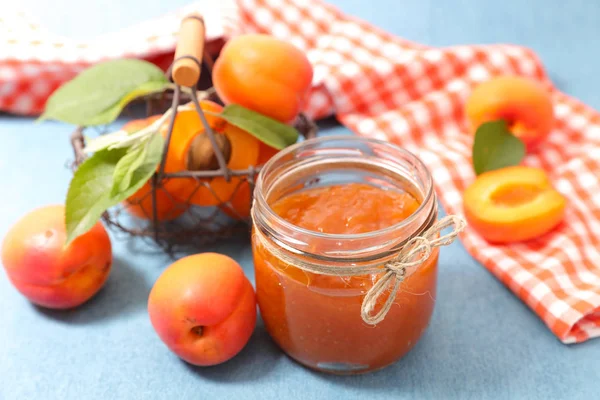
column 91, row 191
column 269, row 131
column 137, row 166
column 98, row 94
column 496, row 147
column 126, row 167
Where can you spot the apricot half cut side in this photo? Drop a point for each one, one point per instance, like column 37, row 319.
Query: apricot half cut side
column 207, row 192
column 513, row 204
column 244, row 153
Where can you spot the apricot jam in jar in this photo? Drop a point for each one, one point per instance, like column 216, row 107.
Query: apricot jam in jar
column 342, row 204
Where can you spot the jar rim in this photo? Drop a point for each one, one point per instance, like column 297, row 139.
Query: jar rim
column 261, row 200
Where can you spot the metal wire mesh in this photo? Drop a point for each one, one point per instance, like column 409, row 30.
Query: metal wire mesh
column 185, row 225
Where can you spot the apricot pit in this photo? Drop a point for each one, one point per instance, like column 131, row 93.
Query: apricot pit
column 187, row 150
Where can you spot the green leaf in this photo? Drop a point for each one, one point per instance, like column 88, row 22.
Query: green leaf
column 495, row 147
column 126, row 167
column 91, row 191
column 123, row 138
column 97, row 95
column 137, row 166
column 109, row 115
column 267, row 130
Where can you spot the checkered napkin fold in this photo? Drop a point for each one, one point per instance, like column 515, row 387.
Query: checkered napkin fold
column 382, row 86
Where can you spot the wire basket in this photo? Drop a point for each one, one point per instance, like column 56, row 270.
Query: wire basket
column 174, row 223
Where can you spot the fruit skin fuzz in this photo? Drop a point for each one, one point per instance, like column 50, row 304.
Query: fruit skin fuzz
column 203, row 308
column 46, row 272
column 264, row 74
column 523, row 103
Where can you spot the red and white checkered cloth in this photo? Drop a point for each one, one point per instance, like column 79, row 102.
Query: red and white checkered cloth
column 385, row 87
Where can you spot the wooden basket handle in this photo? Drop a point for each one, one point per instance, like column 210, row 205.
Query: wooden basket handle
column 189, row 51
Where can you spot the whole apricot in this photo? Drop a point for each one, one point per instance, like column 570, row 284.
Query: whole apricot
column 203, row 308
column 264, row 74
column 523, row 103
column 513, row 204
column 168, row 207
column 46, row 272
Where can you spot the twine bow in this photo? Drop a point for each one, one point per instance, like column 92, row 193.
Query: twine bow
column 415, row 252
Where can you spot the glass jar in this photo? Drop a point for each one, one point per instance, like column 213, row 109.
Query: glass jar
column 316, row 318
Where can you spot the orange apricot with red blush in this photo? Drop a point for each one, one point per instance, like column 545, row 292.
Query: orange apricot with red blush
column 513, row 204
column 140, row 204
column 523, row 103
column 47, row 272
column 203, row 308
column 264, row 74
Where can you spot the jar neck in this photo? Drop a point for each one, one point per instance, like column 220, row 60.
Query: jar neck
column 337, row 160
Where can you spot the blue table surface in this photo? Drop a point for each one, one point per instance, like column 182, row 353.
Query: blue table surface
column 483, row 342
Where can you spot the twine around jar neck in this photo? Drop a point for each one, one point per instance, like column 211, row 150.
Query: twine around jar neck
column 415, row 252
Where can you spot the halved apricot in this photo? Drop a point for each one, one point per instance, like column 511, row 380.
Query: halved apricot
column 187, row 126
column 523, row 103
column 244, row 153
column 206, row 192
column 513, row 204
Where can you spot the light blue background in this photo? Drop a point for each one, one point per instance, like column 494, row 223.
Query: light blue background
column 483, row 343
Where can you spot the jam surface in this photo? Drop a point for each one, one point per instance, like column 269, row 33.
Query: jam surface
column 316, row 319
column 346, row 209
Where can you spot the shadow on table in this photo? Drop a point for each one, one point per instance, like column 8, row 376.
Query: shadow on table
column 147, row 247
column 469, row 349
column 258, row 358
column 390, row 379
column 418, row 375
column 125, row 292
